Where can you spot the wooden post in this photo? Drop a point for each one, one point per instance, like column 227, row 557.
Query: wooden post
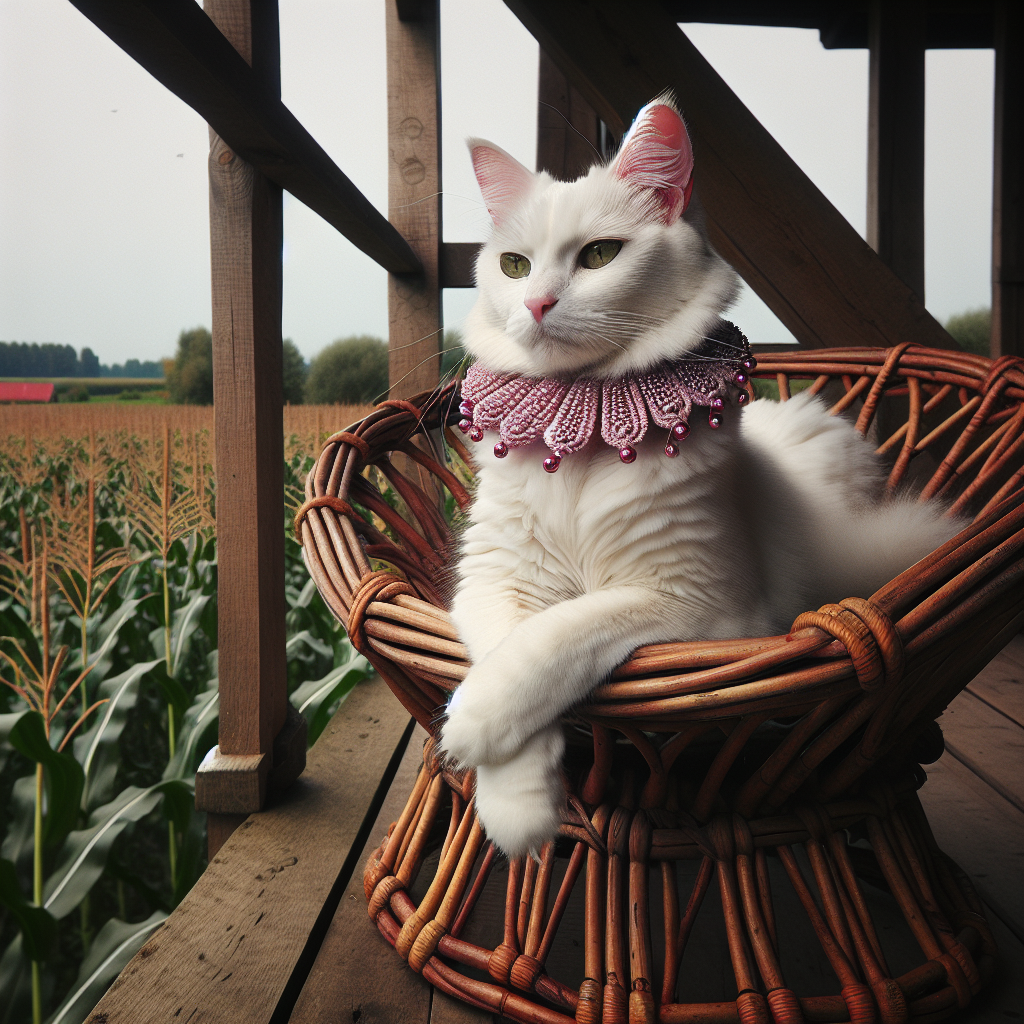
column 896, row 34
column 1008, row 183
column 568, row 128
column 414, row 185
column 245, row 239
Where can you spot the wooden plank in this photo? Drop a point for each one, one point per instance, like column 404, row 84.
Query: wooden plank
column 179, row 45
column 239, row 946
column 1008, row 182
column 357, row 975
column 896, row 138
column 765, row 216
column 1001, row 683
column 245, row 257
column 414, row 200
column 988, row 743
column 356, row 972
column 245, row 239
column 982, row 832
column 568, row 128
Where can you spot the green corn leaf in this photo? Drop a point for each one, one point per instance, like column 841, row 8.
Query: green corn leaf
column 13, row 625
column 171, row 690
column 179, row 803
column 15, row 984
column 38, row 928
column 184, row 622
column 84, row 854
column 20, row 816
column 109, row 629
column 296, row 643
column 98, row 750
column 305, row 595
column 6, row 724
column 114, row 945
column 200, row 717
column 63, row 775
column 318, row 699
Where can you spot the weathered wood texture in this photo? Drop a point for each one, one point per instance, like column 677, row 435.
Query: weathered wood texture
column 765, row 216
column 1001, row 685
column 245, row 238
column 352, row 977
column 357, row 975
column 896, row 138
column 568, row 128
column 177, row 44
column 414, row 200
column 240, row 945
column 988, row 743
column 1008, row 183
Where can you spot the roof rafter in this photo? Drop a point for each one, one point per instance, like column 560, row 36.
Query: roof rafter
column 765, row 216
column 182, row 48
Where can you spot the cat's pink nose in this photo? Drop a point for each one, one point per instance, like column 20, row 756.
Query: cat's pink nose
column 538, row 307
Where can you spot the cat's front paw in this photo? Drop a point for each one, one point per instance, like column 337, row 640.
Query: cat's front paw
column 478, row 730
column 519, row 802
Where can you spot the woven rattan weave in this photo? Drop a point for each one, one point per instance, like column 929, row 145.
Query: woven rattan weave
column 752, row 780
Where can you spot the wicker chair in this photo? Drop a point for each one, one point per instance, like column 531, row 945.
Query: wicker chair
column 770, row 769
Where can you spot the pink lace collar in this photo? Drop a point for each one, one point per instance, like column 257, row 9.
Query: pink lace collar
column 564, row 413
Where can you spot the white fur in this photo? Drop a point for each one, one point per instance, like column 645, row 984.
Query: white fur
column 563, row 575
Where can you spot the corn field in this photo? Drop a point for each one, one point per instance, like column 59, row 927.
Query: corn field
column 108, row 666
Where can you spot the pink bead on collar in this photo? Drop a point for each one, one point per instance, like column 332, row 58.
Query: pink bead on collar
column 564, row 413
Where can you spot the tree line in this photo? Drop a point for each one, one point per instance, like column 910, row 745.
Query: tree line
column 31, row 359
column 349, row 371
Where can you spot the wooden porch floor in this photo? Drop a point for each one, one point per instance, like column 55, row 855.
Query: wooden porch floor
column 276, row 930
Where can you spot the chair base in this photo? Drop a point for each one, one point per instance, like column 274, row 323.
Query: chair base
column 800, row 909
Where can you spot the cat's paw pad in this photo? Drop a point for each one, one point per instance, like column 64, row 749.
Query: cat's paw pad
column 519, row 802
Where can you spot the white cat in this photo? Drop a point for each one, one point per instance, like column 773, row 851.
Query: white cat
column 563, row 574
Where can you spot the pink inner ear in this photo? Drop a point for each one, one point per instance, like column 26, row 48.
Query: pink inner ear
column 657, row 155
column 502, row 179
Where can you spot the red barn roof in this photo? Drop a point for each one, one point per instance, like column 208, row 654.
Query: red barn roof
column 24, row 392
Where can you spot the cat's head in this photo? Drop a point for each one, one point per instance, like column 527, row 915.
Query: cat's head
column 602, row 276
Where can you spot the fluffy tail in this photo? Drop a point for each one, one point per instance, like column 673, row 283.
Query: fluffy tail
column 827, row 512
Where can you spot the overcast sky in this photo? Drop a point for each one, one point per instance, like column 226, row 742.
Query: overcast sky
column 104, row 232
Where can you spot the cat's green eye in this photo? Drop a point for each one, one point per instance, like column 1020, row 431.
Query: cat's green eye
column 514, row 265
column 599, row 254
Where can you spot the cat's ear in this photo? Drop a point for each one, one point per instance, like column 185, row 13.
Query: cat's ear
column 656, row 156
column 503, row 179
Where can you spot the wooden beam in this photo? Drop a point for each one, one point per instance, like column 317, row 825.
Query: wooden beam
column 1008, row 183
column 896, row 138
column 568, row 128
column 765, row 216
column 458, row 263
column 414, row 186
column 240, row 945
column 179, row 45
column 245, row 238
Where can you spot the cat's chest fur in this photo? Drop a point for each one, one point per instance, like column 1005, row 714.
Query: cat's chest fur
column 599, row 523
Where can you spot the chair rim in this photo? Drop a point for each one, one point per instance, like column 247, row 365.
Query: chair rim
column 384, row 587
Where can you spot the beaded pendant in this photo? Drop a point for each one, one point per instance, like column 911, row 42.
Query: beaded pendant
column 564, row 414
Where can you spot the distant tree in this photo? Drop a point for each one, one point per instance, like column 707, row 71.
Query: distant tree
column 21, row 359
column 973, row 330
column 295, row 370
column 88, row 363
column 349, row 370
column 190, row 381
